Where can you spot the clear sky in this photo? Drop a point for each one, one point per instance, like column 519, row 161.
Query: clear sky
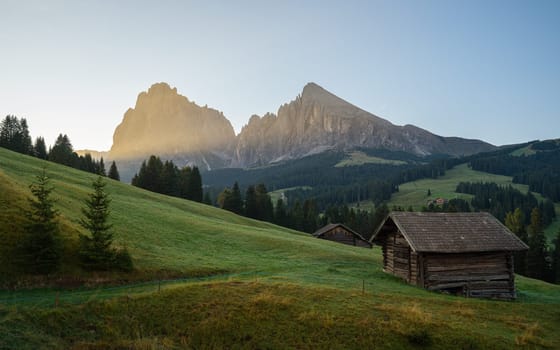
column 478, row 69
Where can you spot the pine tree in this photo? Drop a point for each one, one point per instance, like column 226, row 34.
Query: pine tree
column 515, row 222
column 195, row 185
column 280, row 214
column 101, row 171
column 25, row 144
column 41, row 250
column 169, row 179
column 114, row 172
column 149, row 176
column 236, row 200
column 309, row 216
column 251, row 206
column 62, row 152
column 265, row 209
column 40, row 148
column 556, row 259
column 185, row 182
column 207, row 200
column 536, row 257
column 95, row 250
column 296, row 216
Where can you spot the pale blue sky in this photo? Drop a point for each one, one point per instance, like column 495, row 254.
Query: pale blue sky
column 476, row 69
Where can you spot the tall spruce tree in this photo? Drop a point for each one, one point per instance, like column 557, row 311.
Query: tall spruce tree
column 185, row 182
column 207, row 200
column 62, row 152
column 41, row 249
column 40, row 148
column 556, row 259
column 536, row 257
column 265, row 209
column 101, row 168
column 309, row 216
column 280, row 213
column 230, row 199
column 114, row 172
column 251, row 205
column 195, row 185
column 169, row 179
column 515, row 222
column 95, row 249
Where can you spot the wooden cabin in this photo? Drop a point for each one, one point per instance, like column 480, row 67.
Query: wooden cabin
column 342, row 234
column 469, row 254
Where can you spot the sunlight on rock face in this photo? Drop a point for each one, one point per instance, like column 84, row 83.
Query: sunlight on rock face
column 164, row 122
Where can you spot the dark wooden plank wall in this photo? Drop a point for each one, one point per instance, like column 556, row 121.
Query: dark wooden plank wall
column 397, row 257
column 471, row 274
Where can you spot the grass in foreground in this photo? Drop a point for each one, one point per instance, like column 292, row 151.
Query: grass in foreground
column 263, row 315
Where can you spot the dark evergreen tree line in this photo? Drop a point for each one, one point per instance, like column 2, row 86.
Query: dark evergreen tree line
column 499, row 200
column 62, row 152
column 256, row 203
column 455, row 205
column 14, row 135
column 541, row 171
column 166, row 178
column 539, row 261
column 302, row 215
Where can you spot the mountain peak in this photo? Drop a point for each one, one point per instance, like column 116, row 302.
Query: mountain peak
column 164, row 122
column 312, row 91
column 161, row 87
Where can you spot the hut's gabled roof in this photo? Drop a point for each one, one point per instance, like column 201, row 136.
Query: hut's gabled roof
column 329, row 227
column 451, row 232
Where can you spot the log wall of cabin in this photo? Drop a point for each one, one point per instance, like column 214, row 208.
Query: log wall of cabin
column 487, row 275
column 398, row 259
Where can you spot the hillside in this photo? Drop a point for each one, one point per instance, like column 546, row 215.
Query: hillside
column 297, row 291
column 414, row 193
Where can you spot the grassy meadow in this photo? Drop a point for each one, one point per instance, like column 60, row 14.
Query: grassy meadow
column 360, row 158
column 415, row 193
column 241, row 284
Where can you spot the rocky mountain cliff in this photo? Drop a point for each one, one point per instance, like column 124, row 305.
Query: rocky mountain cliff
column 166, row 123
column 318, row 120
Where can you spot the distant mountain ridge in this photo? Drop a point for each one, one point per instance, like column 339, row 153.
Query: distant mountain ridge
column 318, row 120
column 166, row 123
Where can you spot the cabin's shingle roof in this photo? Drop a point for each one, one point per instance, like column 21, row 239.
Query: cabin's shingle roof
column 451, row 232
column 329, row 227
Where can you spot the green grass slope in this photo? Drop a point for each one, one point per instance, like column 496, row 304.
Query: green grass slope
column 284, row 289
column 415, row 193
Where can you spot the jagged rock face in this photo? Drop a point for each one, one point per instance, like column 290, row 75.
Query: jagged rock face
column 318, row 120
column 166, row 123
